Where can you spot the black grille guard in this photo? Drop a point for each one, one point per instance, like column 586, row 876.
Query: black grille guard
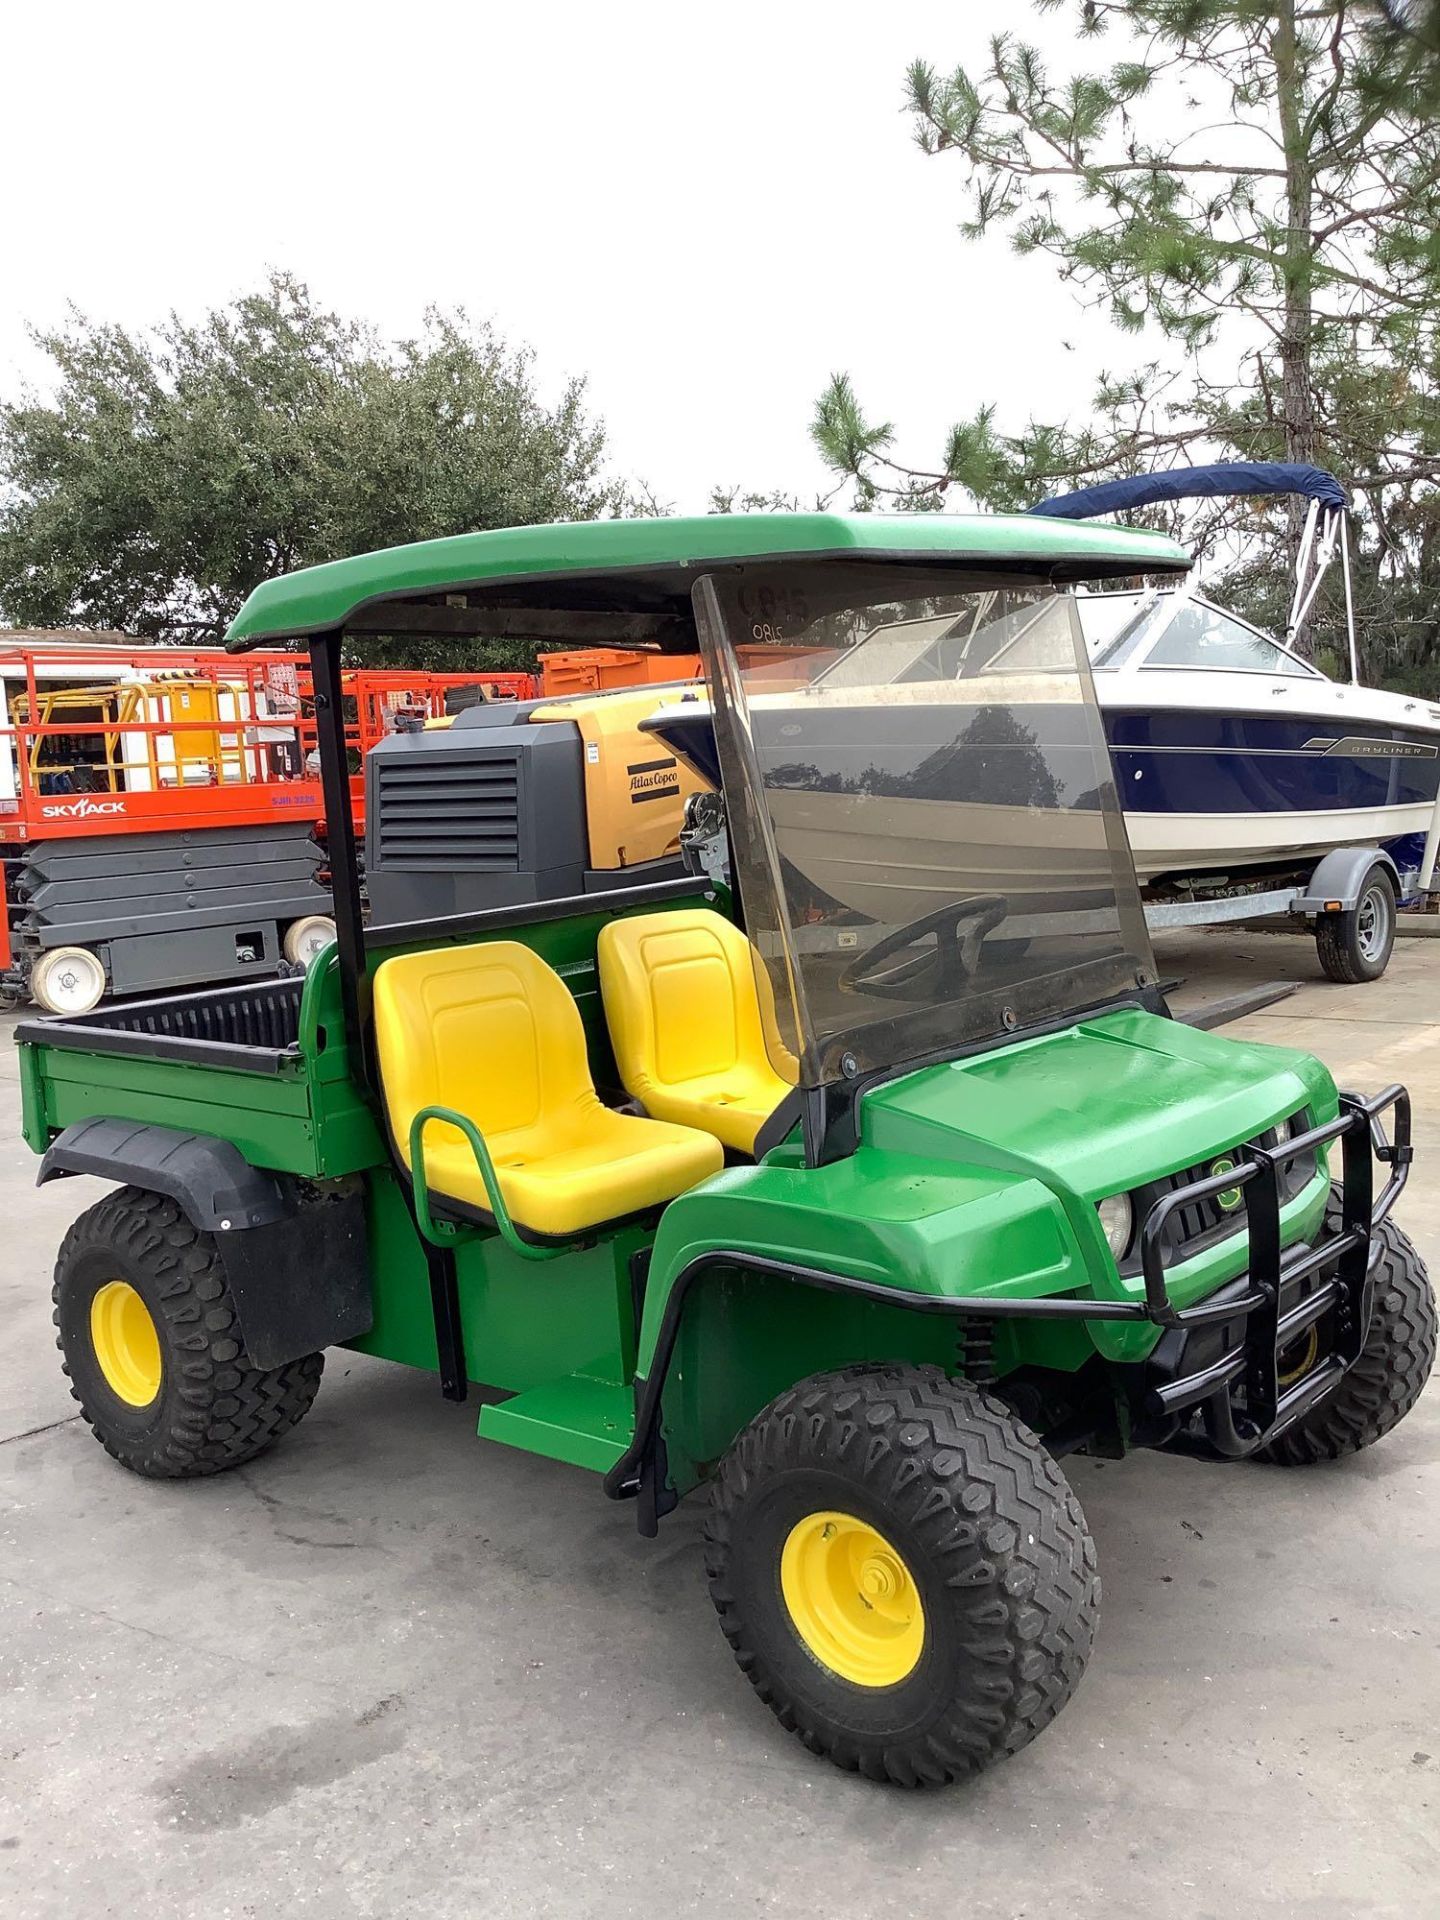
column 1251, row 1307
column 1255, row 1306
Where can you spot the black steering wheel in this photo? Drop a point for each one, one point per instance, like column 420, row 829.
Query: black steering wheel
column 941, row 970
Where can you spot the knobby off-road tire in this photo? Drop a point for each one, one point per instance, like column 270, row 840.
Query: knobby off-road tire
column 211, row 1408
column 971, row 1513
column 1386, row 1381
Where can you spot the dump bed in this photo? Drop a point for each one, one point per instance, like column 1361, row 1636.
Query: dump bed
column 263, row 1065
column 251, row 1028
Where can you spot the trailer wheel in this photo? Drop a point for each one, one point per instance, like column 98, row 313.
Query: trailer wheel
column 68, row 980
column 1356, row 946
column 1386, row 1381
column 902, row 1572
column 306, row 938
column 152, row 1349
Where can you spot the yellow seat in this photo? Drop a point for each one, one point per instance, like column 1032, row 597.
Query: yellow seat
column 492, row 1033
column 685, row 1021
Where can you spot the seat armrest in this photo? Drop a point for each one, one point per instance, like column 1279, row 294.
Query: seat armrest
column 425, row 1219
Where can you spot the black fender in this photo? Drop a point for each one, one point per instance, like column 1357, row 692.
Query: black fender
column 294, row 1252
column 211, row 1179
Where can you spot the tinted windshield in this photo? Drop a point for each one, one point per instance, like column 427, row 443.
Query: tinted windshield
column 923, row 821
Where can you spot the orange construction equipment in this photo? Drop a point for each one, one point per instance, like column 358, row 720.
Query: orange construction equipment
column 602, row 669
column 599, row 669
column 163, row 737
column 158, row 807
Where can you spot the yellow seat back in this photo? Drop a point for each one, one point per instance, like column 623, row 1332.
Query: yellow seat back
column 491, row 1031
column 493, row 1034
column 684, row 1015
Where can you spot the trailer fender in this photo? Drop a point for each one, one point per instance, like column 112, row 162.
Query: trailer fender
column 1341, row 876
column 294, row 1252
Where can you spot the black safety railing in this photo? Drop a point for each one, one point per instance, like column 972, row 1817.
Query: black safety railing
column 1253, row 1308
column 1272, row 1309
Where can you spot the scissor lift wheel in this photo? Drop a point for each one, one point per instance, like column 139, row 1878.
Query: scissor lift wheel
column 68, row 980
column 306, row 938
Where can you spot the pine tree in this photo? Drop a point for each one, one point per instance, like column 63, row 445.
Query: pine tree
column 1255, row 187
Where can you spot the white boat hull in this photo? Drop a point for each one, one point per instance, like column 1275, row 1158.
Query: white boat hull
column 1211, row 843
column 846, row 844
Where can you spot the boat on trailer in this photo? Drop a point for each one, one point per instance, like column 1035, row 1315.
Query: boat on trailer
column 1234, row 757
column 1252, row 784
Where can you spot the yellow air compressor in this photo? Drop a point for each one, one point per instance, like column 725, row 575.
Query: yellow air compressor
column 520, row 801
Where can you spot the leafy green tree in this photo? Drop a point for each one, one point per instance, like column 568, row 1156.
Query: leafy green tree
column 170, row 471
column 1252, row 185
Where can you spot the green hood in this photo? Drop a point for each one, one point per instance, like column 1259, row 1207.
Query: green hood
column 980, row 1175
column 1110, row 1104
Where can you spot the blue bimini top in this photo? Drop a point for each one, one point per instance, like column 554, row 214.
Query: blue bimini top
column 1196, row 483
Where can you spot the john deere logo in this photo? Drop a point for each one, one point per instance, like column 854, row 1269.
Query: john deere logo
column 1230, row 1198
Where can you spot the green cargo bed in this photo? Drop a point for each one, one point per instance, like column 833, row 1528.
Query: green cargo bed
column 262, row 1065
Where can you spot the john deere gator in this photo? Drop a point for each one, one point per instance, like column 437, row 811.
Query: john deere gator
column 849, row 1181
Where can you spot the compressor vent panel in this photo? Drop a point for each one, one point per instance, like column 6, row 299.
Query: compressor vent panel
column 449, row 813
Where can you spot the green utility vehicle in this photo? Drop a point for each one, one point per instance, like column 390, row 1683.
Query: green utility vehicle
column 860, row 1174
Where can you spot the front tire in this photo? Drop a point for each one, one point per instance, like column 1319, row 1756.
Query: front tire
column 152, row 1346
column 1386, row 1381
column 902, row 1572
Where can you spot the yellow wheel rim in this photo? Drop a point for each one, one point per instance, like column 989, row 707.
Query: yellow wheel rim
column 852, row 1599
column 126, row 1343
column 1301, row 1357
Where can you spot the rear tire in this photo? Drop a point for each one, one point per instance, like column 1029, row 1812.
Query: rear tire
column 152, row 1347
column 1387, row 1379
column 1356, row 946
column 902, row 1572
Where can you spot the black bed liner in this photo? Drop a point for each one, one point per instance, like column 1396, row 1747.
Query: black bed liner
column 254, row 1028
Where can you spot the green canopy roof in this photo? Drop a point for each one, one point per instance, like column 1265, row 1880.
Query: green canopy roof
column 667, row 553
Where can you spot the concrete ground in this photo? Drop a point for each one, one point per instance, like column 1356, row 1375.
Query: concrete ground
column 388, row 1670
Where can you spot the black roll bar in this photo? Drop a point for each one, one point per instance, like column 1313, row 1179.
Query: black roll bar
column 340, row 848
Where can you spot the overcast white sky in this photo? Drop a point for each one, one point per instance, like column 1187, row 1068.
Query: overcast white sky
column 705, row 209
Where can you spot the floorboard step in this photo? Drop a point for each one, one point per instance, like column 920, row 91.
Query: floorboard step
column 586, row 1421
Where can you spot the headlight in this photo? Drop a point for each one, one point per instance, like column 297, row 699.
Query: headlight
column 1117, row 1217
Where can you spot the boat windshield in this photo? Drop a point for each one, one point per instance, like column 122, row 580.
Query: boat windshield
column 1144, row 617
column 924, row 826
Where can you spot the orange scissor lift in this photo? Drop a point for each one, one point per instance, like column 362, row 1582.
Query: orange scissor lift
column 158, row 808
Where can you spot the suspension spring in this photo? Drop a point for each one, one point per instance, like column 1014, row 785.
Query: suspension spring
column 976, row 1355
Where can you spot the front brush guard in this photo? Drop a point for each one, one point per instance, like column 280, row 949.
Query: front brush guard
column 1237, row 1334
column 1222, row 1356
